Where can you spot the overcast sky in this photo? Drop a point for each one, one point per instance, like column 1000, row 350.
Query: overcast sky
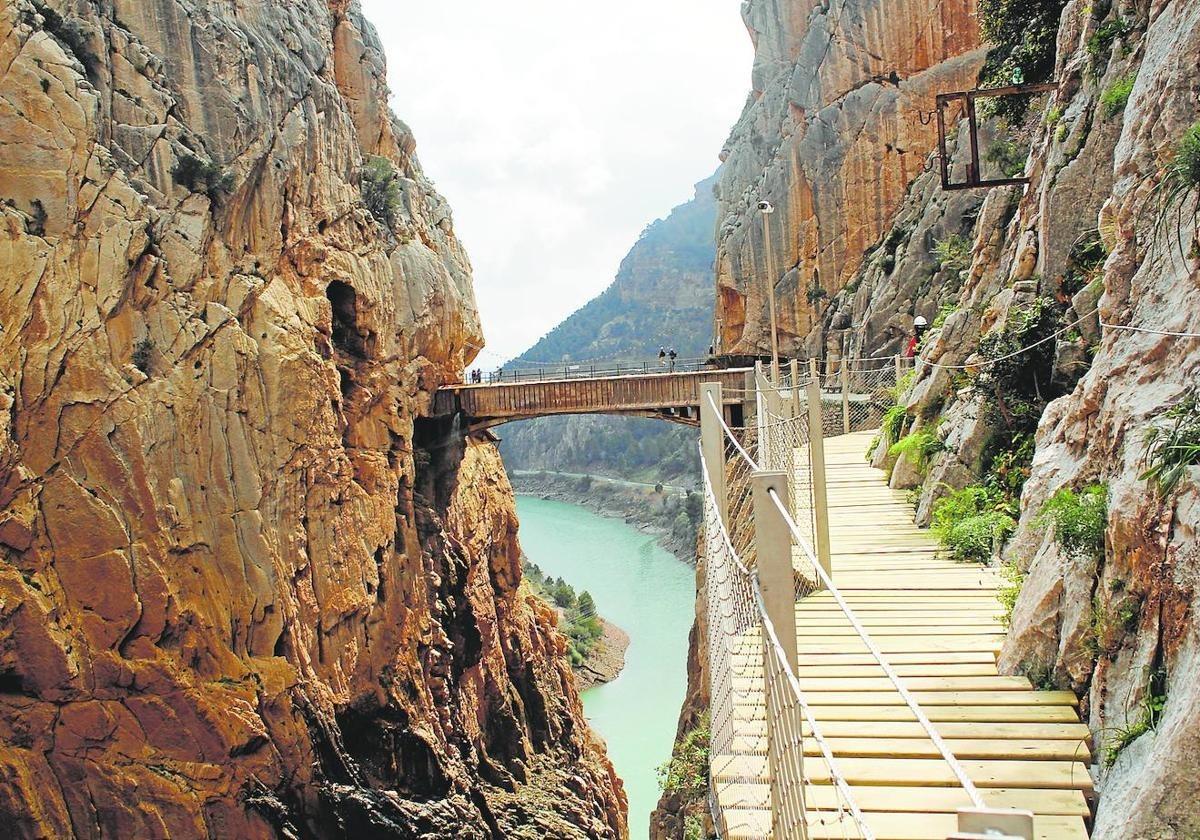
column 558, row 130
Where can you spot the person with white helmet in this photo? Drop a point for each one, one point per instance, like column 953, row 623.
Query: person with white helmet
column 920, row 325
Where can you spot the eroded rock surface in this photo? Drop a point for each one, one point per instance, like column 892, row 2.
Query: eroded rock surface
column 246, row 588
column 831, row 136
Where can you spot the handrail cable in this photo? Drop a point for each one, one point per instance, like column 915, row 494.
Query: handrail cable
column 989, row 362
column 836, row 777
column 728, row 433
column 839, row 781
column 915, row 707
column 1151, row 331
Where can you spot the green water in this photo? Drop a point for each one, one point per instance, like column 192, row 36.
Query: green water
column 649, row 594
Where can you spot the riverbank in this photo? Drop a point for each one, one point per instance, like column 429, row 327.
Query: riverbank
column 606, row 660
column 666, row 515
column 651, row 595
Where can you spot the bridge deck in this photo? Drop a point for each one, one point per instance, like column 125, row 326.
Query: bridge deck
column 672, row 395
column 936, row 620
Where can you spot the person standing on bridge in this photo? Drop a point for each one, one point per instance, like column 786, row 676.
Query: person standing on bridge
column 671, row 354
column 662, row 356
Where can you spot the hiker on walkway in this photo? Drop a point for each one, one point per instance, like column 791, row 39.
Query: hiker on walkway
column 662, row 357
column 920, row 325
column 671, row 354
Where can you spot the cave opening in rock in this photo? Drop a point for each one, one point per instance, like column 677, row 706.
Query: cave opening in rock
column 346, row 335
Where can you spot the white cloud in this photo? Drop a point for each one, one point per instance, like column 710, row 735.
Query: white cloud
column 558, row 130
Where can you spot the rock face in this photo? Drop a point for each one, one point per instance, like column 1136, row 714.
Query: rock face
column 831, row 136
column 1119, row 627
column 247, row 589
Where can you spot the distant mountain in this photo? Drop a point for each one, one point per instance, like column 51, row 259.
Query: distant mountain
column 662, row 296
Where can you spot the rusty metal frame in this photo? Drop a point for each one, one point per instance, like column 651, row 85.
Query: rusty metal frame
column 968, row 97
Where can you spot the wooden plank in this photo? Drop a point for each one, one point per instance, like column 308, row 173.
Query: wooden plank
column 933, row 800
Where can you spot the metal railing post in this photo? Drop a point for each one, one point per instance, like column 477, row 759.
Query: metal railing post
column 712, row 445
column 844, row 376
column 816, row 458
column 773, row 542
column 899, row 368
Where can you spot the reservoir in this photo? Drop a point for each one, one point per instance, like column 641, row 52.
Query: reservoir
column 649, row 594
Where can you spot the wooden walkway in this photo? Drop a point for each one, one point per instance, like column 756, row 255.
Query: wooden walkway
column 936, row 622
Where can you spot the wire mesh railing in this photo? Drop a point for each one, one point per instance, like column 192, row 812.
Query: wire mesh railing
column 763, row 728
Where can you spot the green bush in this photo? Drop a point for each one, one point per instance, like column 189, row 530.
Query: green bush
column 1079, row 519
column 1116, row 95
column 143, row 353
column 918, row 447
column 1180, row 176
column 1022, row 34
column 1007, row 156
column 1173, row 444
column 1099, row 45
column 579, row 620
column 1150, row 712
column 968, row 524
column 201, row 176
column 380, row 188
column 953, row 253
column 686, row 773
column 892, row 425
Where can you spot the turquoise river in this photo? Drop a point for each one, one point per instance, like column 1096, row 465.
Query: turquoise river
column 648, row 593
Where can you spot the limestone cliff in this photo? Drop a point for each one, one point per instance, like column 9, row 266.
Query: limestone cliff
column 831, row 136
column 1105, row 233
column 246, row 588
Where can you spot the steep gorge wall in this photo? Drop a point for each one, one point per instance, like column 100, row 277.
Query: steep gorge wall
column 1118, row 626
column 245, row 588
column 830, row 136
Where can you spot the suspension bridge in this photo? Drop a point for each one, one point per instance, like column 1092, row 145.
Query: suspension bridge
column 851, row 668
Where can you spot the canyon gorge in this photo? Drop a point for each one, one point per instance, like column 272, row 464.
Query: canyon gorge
column 249, row 588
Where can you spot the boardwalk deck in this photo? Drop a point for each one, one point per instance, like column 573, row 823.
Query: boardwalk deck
column 936, row 621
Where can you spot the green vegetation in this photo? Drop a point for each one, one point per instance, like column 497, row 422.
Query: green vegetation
column 815, row 293
column 1007, row 156
column 200, row 175
column 972, row 523
column 577, row 617
column 1079, row 519
column 918, row 447
column 1023, row 35
column 1086, row 264
column 1099, row 45
column 1116, row 95
column 953, row 253
column 944, row 312
column 1112, row 620
column 1181, row 176
column 143, row 353
column 1149, row 714
column 1052, row 116
column 1019, row 384
column 1173, row 444
column 686, row 773
column 380, row 188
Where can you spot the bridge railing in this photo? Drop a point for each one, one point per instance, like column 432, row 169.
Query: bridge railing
column 766, row 545
column 592, row 370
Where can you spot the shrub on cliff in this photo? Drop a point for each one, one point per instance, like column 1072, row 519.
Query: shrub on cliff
column 1116, row 96
column 686, row 774
column 381, row 190
column 200, row 175
column 1173, row 444
column 972, row 524
column 1023, row 35
column 1079, row 519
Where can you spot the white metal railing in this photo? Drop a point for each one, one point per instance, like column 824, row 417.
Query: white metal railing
column 765, row 545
